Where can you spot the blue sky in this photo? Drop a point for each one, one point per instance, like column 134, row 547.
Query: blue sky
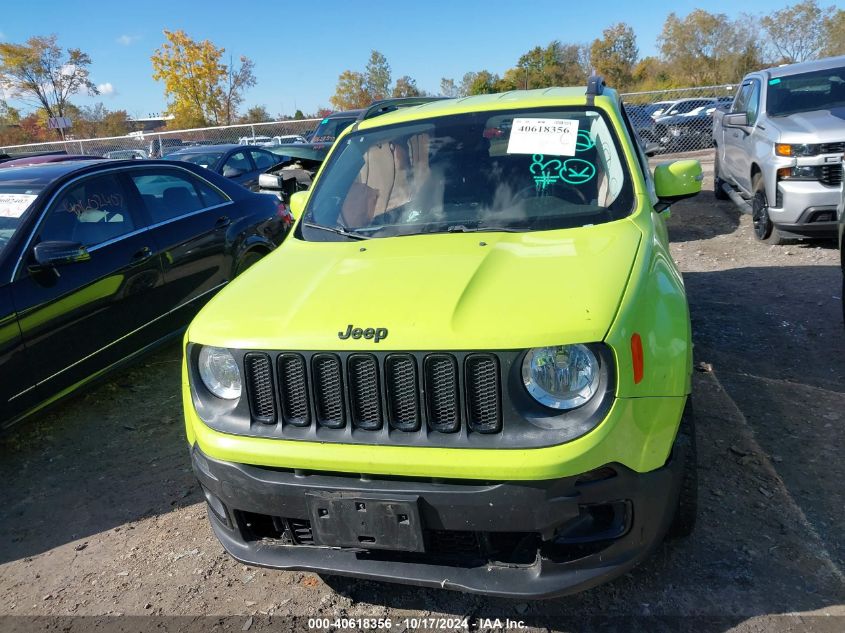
column 300, row 48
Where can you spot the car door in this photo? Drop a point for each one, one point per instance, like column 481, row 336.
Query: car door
column 239, row 168
column 76, row 319
column 263, row 161
column 745, row 149
column 189, row 220
column 17, row 393
column 732, row 141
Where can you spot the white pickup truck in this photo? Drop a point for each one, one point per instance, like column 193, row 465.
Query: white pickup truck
column 779, row 149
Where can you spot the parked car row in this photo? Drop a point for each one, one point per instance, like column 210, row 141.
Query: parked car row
column 679, row 125
column 103, row 259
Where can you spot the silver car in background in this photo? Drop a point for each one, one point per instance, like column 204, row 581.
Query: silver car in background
column 779, row 148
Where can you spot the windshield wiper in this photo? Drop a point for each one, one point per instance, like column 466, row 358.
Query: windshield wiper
column 463, row 228
column 338, row 231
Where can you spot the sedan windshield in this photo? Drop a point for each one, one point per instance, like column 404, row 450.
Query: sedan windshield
column 819, row 90
column 14, row 203
column 499, row 171
column 203, row 159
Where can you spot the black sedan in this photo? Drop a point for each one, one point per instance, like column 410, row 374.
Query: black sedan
column 239, row 163
column 102, row 260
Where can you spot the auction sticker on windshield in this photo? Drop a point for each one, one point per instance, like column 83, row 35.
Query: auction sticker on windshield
column 557, row 137
column 13, row 205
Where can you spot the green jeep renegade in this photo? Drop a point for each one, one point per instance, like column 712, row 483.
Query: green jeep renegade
column 468, row 366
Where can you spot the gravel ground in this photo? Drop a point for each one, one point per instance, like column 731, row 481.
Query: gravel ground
column 102, row 515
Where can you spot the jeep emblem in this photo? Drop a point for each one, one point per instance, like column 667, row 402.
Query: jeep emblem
column 377, row 334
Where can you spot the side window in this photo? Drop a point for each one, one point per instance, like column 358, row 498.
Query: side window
column 167, row 195
column 752, row 106
column 263, row 160
column 741, row 98
column 90, row 212
column 239, row 161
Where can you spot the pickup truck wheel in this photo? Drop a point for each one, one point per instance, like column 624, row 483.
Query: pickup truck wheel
column 764, row 230
column 718, row 183
column 685, row 513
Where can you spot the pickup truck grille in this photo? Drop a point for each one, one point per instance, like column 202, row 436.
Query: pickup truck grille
column 832, row 148
column 831, row 174
column 407, row 393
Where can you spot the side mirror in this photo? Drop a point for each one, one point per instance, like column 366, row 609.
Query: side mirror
column 270, row 181
column 56, row 253
column 297, row 203
column 676, row 181
column 232, row 172
column 651, row 148
column 737, row 119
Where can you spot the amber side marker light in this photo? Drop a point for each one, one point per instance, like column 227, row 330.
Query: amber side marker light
column 637, row 357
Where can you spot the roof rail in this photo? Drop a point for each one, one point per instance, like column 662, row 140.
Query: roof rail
column 389, row 105
column 595, row 85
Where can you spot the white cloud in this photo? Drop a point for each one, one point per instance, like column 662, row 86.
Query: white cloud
column 128, row 40
column 106, row 89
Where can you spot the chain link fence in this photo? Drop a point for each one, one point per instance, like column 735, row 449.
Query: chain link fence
column 679, row 120
column 158, row 144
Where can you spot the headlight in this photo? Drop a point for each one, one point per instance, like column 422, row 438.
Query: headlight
column 805, row 172
column 785, row 149
column 561, row 377
column 219, row 372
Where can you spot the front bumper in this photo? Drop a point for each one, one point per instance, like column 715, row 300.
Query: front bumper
column 803, row 208
column 528, row 539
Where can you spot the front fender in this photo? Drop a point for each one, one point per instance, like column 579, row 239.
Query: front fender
column 655, row 307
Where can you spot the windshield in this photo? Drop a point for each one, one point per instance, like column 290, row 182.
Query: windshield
column 819, row 90
column 330, row 128
column 203, row 159
column 517, row 171
column 14, row 202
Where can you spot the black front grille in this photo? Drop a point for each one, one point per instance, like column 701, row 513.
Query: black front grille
column 259, row 385
column 364, row 392
column 328, row 391
column 831, row 175
column 484, row 399
column 441, row 385
column 832, row 148
column 398, row 397
column 293, row 386
column 403, row 403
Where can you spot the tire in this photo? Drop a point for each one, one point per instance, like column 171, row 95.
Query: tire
column 718, row 183
column 250, row 258
column 764, row 230
column 683, row 522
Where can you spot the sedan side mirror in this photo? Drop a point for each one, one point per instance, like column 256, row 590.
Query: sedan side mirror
column 737, row 119
column 297, row 203
column 232, row 172
column 676, row 181
column 59, row 253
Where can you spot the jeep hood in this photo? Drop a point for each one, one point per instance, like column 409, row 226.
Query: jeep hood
column 818, row 126
column 444, row 291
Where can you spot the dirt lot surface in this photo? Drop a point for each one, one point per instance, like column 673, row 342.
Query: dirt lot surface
column 102, row 516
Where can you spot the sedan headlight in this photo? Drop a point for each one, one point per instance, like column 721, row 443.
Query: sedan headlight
column 561, row 377
column 219, row 372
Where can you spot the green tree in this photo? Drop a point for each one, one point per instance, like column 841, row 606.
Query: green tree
column 41, row 73
column 834, row 35
column 200, row 89
column 480, row 83
column 448, row 88
column 298, row 115
column 542, row 67
column 256, row 114
column 377, row 76
column 706, row 48
column 797, row 33
column 351, row 91
column 614, row 55
column 406, row 87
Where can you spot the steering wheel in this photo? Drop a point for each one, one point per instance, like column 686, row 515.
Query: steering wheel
column 549, row 192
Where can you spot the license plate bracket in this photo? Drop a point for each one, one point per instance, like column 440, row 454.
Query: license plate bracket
column 340, row 519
